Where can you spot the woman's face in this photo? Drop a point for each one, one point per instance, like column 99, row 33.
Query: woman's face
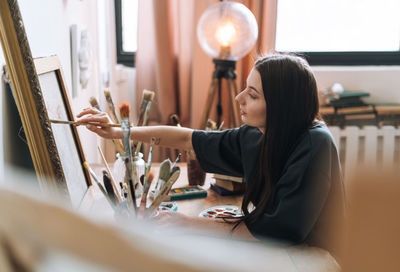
column 252, row 102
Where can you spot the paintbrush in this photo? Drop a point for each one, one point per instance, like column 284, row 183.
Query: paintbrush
column 93, row 102
column 146, row 188
column 211, row 125
column 144, row 110
column 110, row 173
column 146, row 117
column 126, row 132
column 163, row 175
column 92, row 173
column 117, row 144
column 221, row 125
column 164, row 192
column 109, row 188
column 175, row 120
column 124, row 189
column 147, row 96
column 111, row 107
column 76, row 123
column 176, row 161
column 149, row 159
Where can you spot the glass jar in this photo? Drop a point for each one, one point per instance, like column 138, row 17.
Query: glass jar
column 119, row 172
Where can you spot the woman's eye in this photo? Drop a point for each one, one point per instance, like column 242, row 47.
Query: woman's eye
column 252, row 96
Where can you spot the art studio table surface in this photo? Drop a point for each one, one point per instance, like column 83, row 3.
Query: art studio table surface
column 294, row 258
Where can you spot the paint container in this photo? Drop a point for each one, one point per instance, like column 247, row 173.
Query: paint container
column 140, row 166
column 119, row 170
column 196, row 175
column 187, row 192
column 168, row 206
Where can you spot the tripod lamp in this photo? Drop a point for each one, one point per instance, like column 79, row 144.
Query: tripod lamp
column 226, row 31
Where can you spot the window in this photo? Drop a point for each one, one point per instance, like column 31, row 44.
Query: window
column 126, row 14
column 340, row 32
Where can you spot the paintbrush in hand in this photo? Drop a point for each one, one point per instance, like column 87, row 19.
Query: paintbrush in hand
column 77, row 123
column 117, row 144
column 126, row 132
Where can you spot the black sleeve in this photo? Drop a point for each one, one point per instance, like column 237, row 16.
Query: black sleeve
column 300, row 193
column 219, row 151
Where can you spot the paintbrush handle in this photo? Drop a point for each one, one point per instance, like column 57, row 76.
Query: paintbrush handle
column 110, row 173
column 96, row 180
column 145, row 118
column 83, row 124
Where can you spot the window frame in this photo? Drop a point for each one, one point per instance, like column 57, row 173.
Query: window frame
column 123, row 57
column 344, row 58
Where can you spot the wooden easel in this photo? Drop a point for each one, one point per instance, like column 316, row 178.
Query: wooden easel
column 224, row 69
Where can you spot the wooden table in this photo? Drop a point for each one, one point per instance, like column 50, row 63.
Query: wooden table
column 95, row 201
column 193, row 207
column 296, row 258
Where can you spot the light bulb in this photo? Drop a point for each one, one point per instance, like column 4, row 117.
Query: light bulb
column 225, row 34
column 227, row 30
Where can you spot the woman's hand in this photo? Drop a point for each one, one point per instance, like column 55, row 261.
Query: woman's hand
column 92, row 115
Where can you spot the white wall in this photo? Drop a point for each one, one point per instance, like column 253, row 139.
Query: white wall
column 382, row 82
column 47, row 25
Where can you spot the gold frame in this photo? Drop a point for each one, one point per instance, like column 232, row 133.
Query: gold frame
column 29, row 99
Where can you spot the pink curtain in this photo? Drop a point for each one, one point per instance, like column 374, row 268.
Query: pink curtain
column 170, row 61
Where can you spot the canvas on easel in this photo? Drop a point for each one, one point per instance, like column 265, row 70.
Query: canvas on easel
column 40, row 93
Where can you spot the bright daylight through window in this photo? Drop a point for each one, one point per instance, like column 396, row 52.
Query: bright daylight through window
column 338, row 25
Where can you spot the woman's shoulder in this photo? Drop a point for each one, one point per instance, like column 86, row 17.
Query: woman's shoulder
column 249, row 133
column 319, row 133
column 246, row 129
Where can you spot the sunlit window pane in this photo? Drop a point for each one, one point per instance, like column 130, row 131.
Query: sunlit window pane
column 338, row 25
column 129, row 10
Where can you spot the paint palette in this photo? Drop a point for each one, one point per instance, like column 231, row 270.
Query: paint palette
column 226, row 211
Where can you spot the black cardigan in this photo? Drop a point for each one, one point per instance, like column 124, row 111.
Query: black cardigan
column 309, row 196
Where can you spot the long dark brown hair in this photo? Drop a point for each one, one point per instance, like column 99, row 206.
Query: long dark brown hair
column 291, row 96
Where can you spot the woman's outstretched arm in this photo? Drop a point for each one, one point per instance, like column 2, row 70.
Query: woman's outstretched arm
column 176, row 137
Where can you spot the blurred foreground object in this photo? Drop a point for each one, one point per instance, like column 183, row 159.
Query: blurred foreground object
column 35, row 236
column 371, row 240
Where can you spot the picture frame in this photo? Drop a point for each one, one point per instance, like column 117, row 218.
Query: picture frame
column 36, row 84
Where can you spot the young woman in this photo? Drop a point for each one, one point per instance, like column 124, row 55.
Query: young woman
column 285, row 154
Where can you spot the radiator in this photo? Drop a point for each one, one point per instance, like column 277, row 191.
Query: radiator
column 370, row 146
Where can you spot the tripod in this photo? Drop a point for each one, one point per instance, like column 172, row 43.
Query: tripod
column 223, row 69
